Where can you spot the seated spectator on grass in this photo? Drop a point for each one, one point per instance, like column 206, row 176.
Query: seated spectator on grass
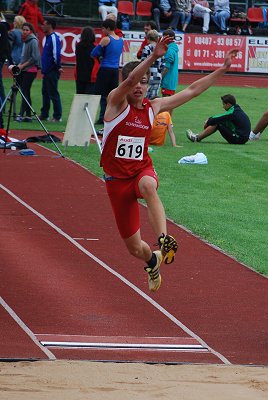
column 201, row 10
column 233, row 125
column 106, row 7
column 259, row 128
column 185, row 13
column 221, row 15
column 148, row 26
column 156, row 68
column 166, row 10
column 162, row 124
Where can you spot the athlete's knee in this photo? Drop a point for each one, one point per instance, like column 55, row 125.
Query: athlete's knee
column 135, row 250
column 148, row 188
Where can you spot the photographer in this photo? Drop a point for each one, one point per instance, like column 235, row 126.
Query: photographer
column 29, row 65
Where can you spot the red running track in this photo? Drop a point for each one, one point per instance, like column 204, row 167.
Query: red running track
column 69, row 290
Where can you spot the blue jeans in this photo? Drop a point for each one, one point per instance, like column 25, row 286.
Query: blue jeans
column 172, row 21
column 220, row 18
column 50, row 93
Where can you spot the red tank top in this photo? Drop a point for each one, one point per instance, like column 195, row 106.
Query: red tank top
column 125, row 142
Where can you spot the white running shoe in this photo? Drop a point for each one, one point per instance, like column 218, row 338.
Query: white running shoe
column 191, row 136
column 254, row 136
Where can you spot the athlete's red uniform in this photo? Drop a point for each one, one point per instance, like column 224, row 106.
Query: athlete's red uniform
column 125, row 161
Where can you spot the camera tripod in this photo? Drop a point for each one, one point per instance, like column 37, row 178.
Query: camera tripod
column 11, row 96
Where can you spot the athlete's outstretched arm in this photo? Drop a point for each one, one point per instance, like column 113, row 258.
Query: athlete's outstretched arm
column 196, row 88
column 119, row 94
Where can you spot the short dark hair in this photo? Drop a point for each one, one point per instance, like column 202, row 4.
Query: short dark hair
column 169, row 32
column 109, row 23
column 228, row 98
column 51, row 22
column 127, row 68
column 152, row 24
column 30, row 26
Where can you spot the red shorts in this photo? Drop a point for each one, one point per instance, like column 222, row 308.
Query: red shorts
column 124, row 195
column 167, row 92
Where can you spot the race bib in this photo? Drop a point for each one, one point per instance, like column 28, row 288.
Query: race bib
column 130, row 148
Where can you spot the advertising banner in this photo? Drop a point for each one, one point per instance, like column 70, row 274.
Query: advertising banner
column 197, row 52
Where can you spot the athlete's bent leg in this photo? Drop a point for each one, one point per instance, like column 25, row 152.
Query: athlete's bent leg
column 137, row 247
column 156, row 212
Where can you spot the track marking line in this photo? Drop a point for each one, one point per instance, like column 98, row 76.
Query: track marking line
column 119, row 276
column 25, row 328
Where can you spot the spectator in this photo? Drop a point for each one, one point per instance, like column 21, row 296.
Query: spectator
column 166, row 10
column 15, row 39
column 234, row 125
column 156, row 68
column 85, row 62
column 32, row 13
column 4, row 53
column 109, row 49
column 171, row 71
column 29, row 65
column 51, row 70
column 259, row 128
column 106, row 7
column 117, row 31
column 221, row 15
column 185, row 9
column 9, row 5
column 148, row 26
column 162, row 124
column 201, row 10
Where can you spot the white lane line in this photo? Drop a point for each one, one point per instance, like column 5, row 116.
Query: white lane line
column 25, row 328
column 127, row 282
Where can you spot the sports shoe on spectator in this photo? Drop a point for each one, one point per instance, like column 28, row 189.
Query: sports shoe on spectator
column 254, row 136
column 191, row 136
column 168, row 246
column 56, row 120
column 154, row 278
column 26, row 119
column 43, row 118
column 18, row 118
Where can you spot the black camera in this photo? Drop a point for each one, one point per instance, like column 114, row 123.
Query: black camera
column 14, row 70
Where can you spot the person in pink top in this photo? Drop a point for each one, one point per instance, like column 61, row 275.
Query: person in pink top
column 128, row 170
column 201, row 10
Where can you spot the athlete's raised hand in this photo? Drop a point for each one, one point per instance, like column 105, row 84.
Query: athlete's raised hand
column 162, row 46
column 229, row 58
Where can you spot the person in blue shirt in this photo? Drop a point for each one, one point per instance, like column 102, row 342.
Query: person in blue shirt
column 51, row 70
column 106, row 7
column 109, row 51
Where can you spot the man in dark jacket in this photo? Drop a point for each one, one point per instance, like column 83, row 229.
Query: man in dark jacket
column 4, row 55
column 234, row 125
column 166, row 10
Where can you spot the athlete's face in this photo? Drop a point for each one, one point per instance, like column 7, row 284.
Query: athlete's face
column 140, row 89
